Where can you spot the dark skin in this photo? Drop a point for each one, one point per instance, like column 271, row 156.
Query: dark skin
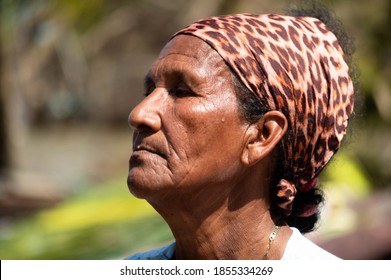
column 205, row 169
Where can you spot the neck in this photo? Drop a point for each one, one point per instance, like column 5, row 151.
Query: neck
column 222, row 223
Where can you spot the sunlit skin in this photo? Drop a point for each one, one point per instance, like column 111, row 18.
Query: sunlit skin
column 196, row 160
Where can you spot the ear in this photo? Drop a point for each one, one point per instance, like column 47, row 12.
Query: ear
column 263, row 136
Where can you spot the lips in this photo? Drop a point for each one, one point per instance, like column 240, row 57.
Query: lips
column 145, row 142
column 147, row 148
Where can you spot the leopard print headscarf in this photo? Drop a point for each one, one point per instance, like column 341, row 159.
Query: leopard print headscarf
column 296, row 66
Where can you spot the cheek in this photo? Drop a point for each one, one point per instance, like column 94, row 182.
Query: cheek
column 215, row 118
column 196, row 127
column 211, row 131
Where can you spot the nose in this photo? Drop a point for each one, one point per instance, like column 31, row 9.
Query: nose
column 147, row 114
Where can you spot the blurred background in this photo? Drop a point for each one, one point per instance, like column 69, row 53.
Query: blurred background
column 71, row 71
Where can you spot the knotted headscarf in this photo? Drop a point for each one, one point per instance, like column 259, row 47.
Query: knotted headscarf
column 296, row 66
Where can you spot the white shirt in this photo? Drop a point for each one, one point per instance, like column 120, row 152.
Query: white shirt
column 301, row 248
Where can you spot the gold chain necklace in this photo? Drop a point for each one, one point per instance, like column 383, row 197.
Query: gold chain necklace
column 272, row 236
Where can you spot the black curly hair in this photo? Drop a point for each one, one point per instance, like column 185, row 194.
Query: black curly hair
column 251, row 111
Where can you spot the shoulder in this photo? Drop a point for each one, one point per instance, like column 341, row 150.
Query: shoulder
column 301, row 248
column 163, row 253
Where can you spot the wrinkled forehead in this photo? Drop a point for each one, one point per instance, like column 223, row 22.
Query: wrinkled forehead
column 188, row 45
column 188, row 52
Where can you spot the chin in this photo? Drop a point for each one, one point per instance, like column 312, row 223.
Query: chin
column 136, row 188
column 143, row 186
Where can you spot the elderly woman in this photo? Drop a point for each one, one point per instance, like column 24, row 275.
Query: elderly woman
column 241, row 113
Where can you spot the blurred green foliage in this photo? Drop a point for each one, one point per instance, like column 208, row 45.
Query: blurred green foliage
column 104, row 222
column 347, row 173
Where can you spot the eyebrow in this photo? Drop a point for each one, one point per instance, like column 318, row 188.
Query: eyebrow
column 188, row 78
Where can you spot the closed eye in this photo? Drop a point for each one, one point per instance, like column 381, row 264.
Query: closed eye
column 181, row 90
column 149, row 86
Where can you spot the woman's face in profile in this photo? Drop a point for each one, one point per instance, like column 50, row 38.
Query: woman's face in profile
column 188, row 132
